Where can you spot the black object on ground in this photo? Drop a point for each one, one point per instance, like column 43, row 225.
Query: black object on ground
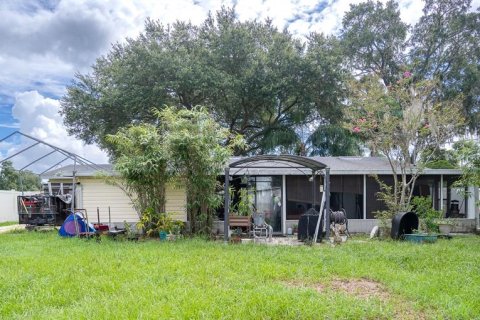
column 307, row 224
column 404, row 223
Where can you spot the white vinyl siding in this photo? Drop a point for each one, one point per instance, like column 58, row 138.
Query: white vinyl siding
column 176, row 200
column 96, row 193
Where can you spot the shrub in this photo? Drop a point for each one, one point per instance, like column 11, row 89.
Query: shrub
column 427, row 215
column 153, row 222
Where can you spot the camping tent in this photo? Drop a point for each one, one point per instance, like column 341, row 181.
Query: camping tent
column 68, row 228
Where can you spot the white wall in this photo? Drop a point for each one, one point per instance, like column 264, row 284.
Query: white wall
column 8, row 204
column 95, row 193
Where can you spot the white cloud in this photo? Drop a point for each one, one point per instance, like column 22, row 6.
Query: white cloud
column 38, row 116
column 43, row 43
column 15, row 125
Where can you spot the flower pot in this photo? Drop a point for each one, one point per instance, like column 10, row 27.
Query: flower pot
column 235, row 239
column 421, row 238
column 163, row 235
column 445, row 228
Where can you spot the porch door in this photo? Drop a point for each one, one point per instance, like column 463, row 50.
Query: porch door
column 268, row 199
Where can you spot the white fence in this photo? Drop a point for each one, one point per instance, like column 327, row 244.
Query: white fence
column 8, row 204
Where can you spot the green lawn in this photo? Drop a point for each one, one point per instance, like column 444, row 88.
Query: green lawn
column 8, row 223
column 43, row 276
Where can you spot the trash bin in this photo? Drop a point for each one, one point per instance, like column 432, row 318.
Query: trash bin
column 307, row 225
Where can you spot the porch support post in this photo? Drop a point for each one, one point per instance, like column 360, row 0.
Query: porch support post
column 441, row 195
column 327, row 203
column 314, row 195
column 74, row 173
column 364, row 196
column 227, row 205
column 284, row 204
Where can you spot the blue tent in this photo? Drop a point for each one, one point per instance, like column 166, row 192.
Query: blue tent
column 68, row 228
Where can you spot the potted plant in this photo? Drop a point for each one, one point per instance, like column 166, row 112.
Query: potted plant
column 236, row 235
column 241, row 211
column 164, row 225
column 245, row 204
column 130, row 233
column 295, row 229
column 428, row 216
column 445, row 225
column 176, row 230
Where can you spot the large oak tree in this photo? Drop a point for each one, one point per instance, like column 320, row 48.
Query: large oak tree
column 255, row 80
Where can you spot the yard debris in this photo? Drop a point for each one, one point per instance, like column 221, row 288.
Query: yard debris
column 375, row 232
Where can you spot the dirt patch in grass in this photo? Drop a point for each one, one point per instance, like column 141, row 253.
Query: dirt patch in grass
column 361, row 288
column 364, row 289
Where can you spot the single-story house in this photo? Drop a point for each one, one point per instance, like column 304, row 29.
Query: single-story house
column 283, row 194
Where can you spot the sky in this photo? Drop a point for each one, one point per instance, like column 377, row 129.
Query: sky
column 44, row 43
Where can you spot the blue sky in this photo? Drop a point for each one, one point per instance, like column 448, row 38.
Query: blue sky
column 43, row 43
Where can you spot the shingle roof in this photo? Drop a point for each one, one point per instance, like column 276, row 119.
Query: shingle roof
column 337, row 165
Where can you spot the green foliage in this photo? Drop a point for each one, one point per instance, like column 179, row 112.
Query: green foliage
column 129, row 231
column 8, row 223
column 245, row 204
column 209, row 279
column 373, row 37
column 390, row 199
column 440, row 158
column 402, row 122
column 428, row 216
column 255, row 80
column 187, row 146
column 11, row 179
column 197, row 155
column 440, row 164
column 445, row 44
column 152, row 223
column 141, row 160
column 334, row 140
column 469, row 155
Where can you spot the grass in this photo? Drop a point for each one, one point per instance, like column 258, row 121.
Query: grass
column 43, row 276
column 8, row 223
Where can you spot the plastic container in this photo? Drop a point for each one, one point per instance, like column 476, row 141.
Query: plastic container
column 421, row 237
column 163, row 235
column 404, row 223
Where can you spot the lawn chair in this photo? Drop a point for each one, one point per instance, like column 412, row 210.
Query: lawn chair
column 261, row 230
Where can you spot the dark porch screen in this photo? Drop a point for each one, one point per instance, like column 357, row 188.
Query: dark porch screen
column 347, row 193
column 299, row 195
column 373, row 204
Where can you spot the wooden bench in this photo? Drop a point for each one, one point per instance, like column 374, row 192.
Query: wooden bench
column 240, row 222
